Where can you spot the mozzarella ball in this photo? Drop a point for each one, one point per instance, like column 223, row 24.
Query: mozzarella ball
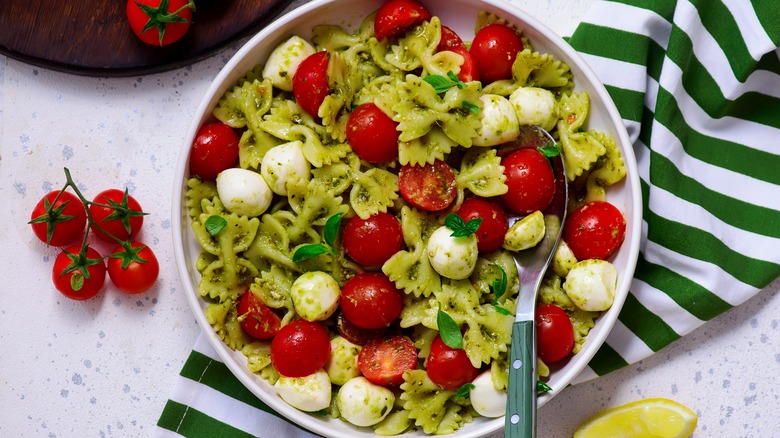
column 343, row 362
column 563, row 260
column 315, row 295
column 534, row 106
column 499, row 121
column 485, row 398
column 591, row 285
column 525, row 233
column 452, row 257
column 243, row 192
column 363, row 403
column 283, row 62
column 308, row 393
column 282, row 163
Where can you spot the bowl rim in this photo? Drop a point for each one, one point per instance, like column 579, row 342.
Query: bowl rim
column 221, row 83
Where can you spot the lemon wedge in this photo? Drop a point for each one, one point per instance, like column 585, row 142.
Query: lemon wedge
column 647, row 418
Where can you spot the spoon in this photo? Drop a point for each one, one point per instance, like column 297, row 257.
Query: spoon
column 531, row 265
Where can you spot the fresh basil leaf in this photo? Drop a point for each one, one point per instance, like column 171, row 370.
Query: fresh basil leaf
column 332, row 228
column 449, row 330
column 464, row 391
column 499, row 285
column 500, row 309
column 542, row 387
column 470, row 106
column 215, row 224
column 550, row 150
column 454, row 222
column 459, row 227
column 439, row 83
column 309, row 251
column 454, row 78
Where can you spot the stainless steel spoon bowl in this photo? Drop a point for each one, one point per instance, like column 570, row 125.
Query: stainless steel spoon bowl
column 531, row 265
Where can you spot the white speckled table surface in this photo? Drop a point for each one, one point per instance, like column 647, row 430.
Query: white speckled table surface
column 105, row 367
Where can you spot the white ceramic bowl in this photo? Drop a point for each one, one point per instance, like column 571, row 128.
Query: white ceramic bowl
column 459, row 15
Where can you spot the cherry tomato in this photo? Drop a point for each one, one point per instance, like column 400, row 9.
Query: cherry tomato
column 494, row 225
column 257, row 319
column 430, row 187
column 117, row 213
column 449, row 367
column 554, row 333
column 300, row 348
column 372, row 134
column 77, row 277
column 133, row 270
column 310, row 82
column 215, row 149
column 494, row 49
column 449, row 39
column 156, row 25
column 594, row 230
column 384, row 361
column 530, row 179
column 469, row 70
column 370, row 300
column 371, row 242
column 58, row 221
column 395, row 17
column 355, row 334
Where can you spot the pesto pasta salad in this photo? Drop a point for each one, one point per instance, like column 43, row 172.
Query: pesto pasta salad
column 358, row 197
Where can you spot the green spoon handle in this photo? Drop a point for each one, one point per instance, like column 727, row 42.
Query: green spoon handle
column 521, row 394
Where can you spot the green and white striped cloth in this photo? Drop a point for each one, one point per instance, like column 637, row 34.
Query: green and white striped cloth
column 697, row 83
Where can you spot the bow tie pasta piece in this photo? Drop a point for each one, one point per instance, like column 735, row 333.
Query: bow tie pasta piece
column 481, row 172
column 197, row 192
column 416, row 47
column 373, row 192
column 541, row 70
column 246, row 104
column 432, row 408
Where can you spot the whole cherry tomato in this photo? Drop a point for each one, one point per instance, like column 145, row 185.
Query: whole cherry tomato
column 372, row 134
column 384, row 361
column 370, row 300
column 530, row 180
column 594, row 230
column 134, row 268
column 215, row 149
column 449, row 367
column 257, row 319
column 58, row 218
column 159, row 22
column 300, row 348
column 430, row 187
column 310, row 82
column 494, row 225
column 116, row 212
column 79, row 276
column 395, row 17
column 372, row 241
column 494, row 49
column 554, row 333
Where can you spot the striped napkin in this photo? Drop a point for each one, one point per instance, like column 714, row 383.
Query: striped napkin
column 697, row 83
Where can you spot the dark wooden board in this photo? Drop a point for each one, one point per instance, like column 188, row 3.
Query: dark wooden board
column 93, row 38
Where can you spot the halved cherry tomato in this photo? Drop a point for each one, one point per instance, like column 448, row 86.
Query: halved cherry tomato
column 449, row 367
column 395, row 17
column 300, row 348
column 431, row 187
column 469, row 70
column 384, row 361
column 79, row 277
column 168, row 24
column 371, row 242
column 310, row 82
column 554, row 333
column 494, row 49
column 355, row 334
column 133, row 270
column 594, row 230
column 58, row 221
column 372, row 134
column 530, row 180
column 116, row 212
column 494, row 225
column 449, row 39
column 370, row 300
column 215, row 149
column 257, row 319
